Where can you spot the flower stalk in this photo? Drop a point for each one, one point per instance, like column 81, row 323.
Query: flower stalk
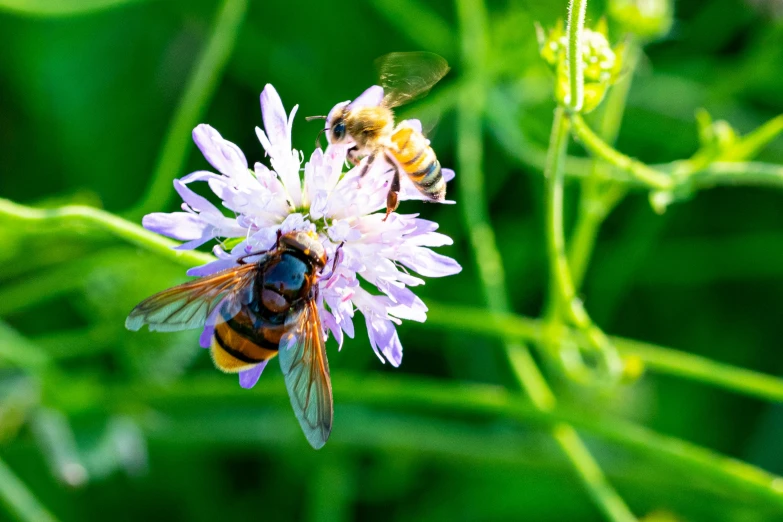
column 575, row 28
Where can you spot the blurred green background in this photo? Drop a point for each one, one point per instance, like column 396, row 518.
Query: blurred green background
column 135, row 426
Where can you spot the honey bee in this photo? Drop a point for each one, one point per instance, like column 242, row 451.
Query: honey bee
column 262, row 309
column 367, row 124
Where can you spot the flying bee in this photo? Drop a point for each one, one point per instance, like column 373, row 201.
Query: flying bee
column 261, row 309
column 367, row 124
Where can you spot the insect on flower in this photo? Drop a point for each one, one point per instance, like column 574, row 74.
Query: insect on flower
column 264, row 307
column 299, row 245
column 367, row 125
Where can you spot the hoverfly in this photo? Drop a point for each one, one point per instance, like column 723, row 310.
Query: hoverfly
column 261, row 309
column 367, row 124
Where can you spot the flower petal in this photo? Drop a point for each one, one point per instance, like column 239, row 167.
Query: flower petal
column 275, row 119
column 183, row 226
column 372, row 97
column 429, row 264
column 384, row 339
column 225, row 156
column 249, row 378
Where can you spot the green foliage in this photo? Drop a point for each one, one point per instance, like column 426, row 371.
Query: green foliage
column 493, row 415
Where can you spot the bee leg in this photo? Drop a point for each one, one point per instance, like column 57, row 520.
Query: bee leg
column 367, row 166
column 391, row 197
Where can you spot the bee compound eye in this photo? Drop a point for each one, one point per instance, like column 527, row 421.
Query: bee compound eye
column 338, row 131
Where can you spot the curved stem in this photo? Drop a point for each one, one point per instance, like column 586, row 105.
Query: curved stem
column 562, row 292
column 599, row 148
column 77, row 216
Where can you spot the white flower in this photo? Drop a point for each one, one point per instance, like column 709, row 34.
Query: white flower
column 343, row 211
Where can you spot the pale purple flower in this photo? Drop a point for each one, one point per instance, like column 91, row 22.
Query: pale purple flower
column 337, row 205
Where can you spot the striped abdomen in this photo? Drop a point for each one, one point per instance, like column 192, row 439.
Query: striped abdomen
column 245, row 340
column 418, row 161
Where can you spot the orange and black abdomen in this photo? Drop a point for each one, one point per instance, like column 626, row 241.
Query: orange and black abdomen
column 245, row 340
column 253, row 335
column 419, row 162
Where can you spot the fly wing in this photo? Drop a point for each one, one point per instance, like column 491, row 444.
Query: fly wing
column 303, row 361
column 190, row 304
column 406, row 77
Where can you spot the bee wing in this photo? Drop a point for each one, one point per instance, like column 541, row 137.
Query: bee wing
column 303, row 361
column 409, row 76
column 190, row 304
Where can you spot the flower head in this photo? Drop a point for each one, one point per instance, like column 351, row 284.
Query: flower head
column 602, row 63
column 333, row 204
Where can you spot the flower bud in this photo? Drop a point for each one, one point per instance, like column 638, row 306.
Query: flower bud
column 602, row 63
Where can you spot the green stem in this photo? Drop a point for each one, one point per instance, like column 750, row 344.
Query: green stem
column 750, row 173
column 463, row 398
column 207, row 72
column 656, row 358
column 576, row 24
column 561, row 287
column 19, row 500
column 78, row 216
column 594, row 210
column 599, row 198
column 18, row 351
column 562, row 292
column 488, row 261
column 600, row 149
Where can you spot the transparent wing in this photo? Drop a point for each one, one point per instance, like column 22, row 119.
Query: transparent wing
column 190, row 304
column 303, row 361
column 409, row 76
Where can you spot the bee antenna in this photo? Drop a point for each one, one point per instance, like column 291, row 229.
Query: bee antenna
column 311, row 118
column 318, row 138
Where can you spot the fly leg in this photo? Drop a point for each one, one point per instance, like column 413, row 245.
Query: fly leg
column 391, row 197
column 337, row 258
column 241, row 260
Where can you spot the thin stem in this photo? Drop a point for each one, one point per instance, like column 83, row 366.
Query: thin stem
column 19, row 500
column 562, row 293
column 599, row 198
column 599, row 148
column 463, row 398
column 576, row 24
column 470, row 152
column 656, row 358
column 207, row 72
column 749, row 173
column 561, row 288
column 78, row 216
column 595, row 209
column 18, row 351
